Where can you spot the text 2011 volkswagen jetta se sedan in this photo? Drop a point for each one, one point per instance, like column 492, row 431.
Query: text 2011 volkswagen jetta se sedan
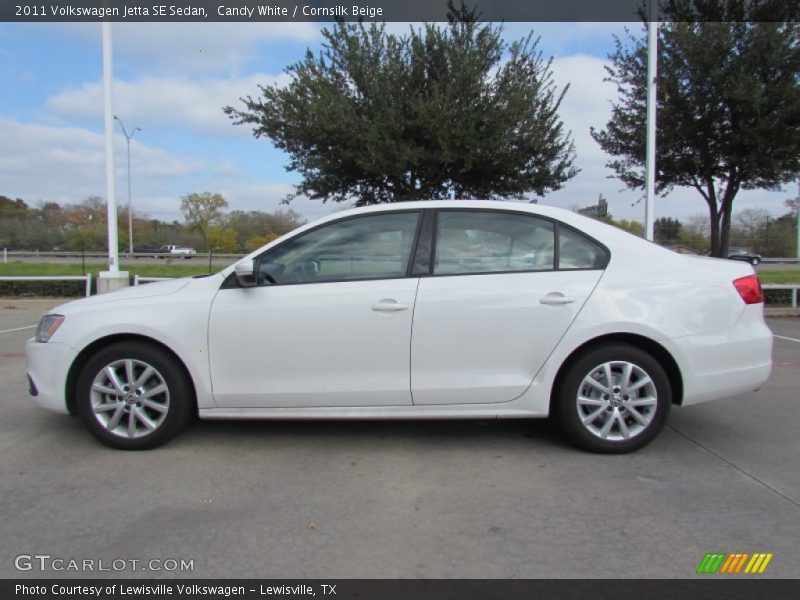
column 467, row 309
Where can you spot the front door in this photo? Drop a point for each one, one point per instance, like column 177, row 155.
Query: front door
column 329, row 323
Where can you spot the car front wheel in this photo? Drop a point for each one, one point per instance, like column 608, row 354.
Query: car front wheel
column 133, row 396
column 614, row 399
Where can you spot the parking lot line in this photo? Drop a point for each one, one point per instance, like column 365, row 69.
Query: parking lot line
column 782, row 337
column 17, row 329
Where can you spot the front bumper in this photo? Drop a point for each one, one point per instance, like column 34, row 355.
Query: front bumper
column 48, row 365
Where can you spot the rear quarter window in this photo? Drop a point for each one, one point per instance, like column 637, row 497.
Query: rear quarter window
column 576, row 251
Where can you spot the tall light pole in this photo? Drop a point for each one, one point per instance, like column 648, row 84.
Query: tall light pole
column 113, row 252
column 652, row 73
column 113, row 279
column 128, row 139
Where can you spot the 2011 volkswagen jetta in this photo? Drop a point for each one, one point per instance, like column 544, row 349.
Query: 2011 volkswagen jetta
column 442, row 309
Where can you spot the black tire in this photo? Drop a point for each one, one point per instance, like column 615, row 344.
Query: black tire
column 175, row 404
column 617, row 405
column 755, row 261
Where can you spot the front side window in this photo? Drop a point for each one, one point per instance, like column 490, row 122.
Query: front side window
column 492, row 242
column 368, row 247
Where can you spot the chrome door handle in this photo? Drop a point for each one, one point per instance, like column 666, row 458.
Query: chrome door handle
column 389, row 305
column 556, row 298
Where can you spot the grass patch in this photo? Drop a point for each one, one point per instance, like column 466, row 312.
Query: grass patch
column 787, row 276
column 22, row 269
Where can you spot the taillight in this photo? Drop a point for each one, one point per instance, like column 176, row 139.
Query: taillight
column 749, row 289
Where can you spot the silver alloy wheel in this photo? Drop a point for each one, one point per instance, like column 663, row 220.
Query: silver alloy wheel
column 130, row 398
column 617, row 401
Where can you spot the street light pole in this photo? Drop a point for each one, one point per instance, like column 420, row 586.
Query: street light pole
column 128, row 139
column 111, row 199
column 650, row 152
column 798, row 220
column 113, row 279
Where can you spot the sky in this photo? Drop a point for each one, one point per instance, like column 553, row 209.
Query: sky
column 171, row 80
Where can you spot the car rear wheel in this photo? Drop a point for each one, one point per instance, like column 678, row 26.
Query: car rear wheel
column 133, row 396
column 614, row 399
column 754, row 261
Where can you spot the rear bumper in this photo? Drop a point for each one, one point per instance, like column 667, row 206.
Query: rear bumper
column 48, row 365
column 719, row 364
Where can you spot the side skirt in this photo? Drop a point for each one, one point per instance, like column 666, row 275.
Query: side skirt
column 461, row 411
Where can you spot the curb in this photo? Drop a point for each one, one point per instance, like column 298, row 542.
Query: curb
column 781, row 312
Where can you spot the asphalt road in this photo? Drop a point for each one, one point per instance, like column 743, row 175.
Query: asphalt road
column 778, row 267
column 403, row 499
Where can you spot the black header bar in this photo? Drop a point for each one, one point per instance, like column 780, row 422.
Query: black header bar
column 353, row 10
column 732, row 588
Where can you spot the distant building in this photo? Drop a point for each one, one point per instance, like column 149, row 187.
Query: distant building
column 598, row 210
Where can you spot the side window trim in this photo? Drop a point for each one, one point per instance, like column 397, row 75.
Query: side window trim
column 421, row 262
column 557, row 247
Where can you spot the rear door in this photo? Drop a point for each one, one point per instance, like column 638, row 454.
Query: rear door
column 495, row 303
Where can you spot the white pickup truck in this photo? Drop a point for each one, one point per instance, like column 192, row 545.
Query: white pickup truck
column 181, row 251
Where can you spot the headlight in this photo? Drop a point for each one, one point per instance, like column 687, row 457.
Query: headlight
column 48, row 326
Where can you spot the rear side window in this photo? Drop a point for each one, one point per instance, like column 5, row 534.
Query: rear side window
column 492, row 242
column 576, row 251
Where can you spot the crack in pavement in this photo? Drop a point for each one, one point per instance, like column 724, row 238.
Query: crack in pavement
column 17, row 329
column 735, row 466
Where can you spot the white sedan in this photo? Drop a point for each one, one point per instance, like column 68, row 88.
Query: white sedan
column 468, row 309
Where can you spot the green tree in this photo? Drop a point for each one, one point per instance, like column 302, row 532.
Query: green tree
column 91, row 210
column 51, row 213
column 756, row 229
column 695, row 233
column 780, row 237
column 13, row 209
column 14, row 214
column 440, row 112
column 201, row 211
column 667, row 231
column 634, row 227
column 256, row 241
column 87, row 238
column 256, row 224
column 222, row 239
column 749, row 228
column 728, row 103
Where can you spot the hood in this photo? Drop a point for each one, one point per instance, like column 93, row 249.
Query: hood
column 145, row 290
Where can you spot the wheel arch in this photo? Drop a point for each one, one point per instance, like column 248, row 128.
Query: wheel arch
column 656, row 350
column 103, row 342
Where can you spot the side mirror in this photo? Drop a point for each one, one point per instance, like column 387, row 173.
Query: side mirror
column 245, row 273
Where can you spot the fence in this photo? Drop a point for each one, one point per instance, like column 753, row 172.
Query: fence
column 777, row 261
column 11, row 255
column 86, row 278
column 784, row 286
column 137, row 279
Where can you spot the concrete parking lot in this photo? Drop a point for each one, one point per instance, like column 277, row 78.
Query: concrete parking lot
column 505, row 499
